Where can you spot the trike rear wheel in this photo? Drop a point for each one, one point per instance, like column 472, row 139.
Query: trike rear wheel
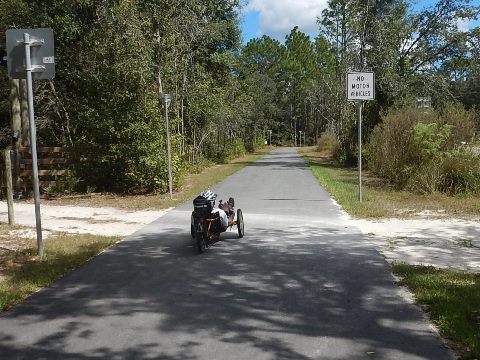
column 201, row 242
column 192, row 227
column 240, row 224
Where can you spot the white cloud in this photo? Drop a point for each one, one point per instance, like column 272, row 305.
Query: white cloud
column 463, row 24
column 278, row 17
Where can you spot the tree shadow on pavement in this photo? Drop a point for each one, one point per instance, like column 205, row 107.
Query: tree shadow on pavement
column 299, row 293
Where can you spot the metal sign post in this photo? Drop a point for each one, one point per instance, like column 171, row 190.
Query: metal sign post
column 167, row 98
column 359, row 110
column 360, row 87
column 33, row 142
column 30, row 55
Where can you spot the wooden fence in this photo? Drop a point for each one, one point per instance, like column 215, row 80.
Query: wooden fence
column 53, row 164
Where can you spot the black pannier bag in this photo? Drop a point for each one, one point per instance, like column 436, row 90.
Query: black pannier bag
column 202, row 205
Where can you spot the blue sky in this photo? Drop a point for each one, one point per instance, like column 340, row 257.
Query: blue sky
column 276, row 18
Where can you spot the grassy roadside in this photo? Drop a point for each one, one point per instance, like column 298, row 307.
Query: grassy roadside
column 381, row 200
column 22, row 272
column 451, row 298
column 192, row 185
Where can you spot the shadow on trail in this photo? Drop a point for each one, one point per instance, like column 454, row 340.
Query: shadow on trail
column 256, row 292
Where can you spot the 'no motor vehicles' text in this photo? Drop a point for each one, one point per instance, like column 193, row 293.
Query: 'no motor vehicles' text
column 360, row 86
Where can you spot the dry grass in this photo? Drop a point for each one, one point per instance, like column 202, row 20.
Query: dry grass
column 22, row 272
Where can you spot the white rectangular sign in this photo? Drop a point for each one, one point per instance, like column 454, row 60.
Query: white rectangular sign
column 360, row 86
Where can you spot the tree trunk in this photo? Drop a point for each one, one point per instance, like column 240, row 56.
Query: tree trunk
column 15, row 111
column 159, row 67
column 25, row 127
column 182, row 111
column 17, row 131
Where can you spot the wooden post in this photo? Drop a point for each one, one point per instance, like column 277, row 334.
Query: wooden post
column 8, row 181
column 25, row 127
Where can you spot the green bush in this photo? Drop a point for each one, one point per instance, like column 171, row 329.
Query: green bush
column 420, row 151
column 223, row 149
column 425, row 179
column 231, row 149
column 427, row 141
column 134, row 161
column 461, row 174
column 327, row 143
column 388, row 152
column 424, row 171
column 462, row 122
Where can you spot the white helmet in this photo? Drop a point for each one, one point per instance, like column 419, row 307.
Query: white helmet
column 209, row 194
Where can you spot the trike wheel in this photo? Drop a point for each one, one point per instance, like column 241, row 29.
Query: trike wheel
column 201, row 242
column 192, row 228
column 240, row 225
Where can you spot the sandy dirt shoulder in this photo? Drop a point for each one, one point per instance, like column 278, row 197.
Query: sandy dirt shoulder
column 106, row 221
column 443, row 243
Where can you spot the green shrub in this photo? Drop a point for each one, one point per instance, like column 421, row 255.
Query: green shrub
column 136, row 162
column 425, row 179
column 223, row 149
column 427, row 141
column 420, row 151
column 461, row 174
column 231, row 149
column 463, row 123
column 424, row 171
column 387, row 153
column 66, row 184
column 327, row 143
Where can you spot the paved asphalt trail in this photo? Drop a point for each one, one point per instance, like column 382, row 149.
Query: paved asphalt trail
column 301, row 284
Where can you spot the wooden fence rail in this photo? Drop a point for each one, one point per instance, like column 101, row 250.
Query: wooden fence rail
column 53, row 162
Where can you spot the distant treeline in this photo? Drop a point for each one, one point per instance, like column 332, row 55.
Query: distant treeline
column 115, row 58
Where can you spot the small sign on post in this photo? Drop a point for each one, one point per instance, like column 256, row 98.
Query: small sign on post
column 360, row 87
column 42, row 57
column 30, row 56
column 424, row 102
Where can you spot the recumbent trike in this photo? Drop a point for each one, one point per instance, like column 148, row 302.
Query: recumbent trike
column 206, row 223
